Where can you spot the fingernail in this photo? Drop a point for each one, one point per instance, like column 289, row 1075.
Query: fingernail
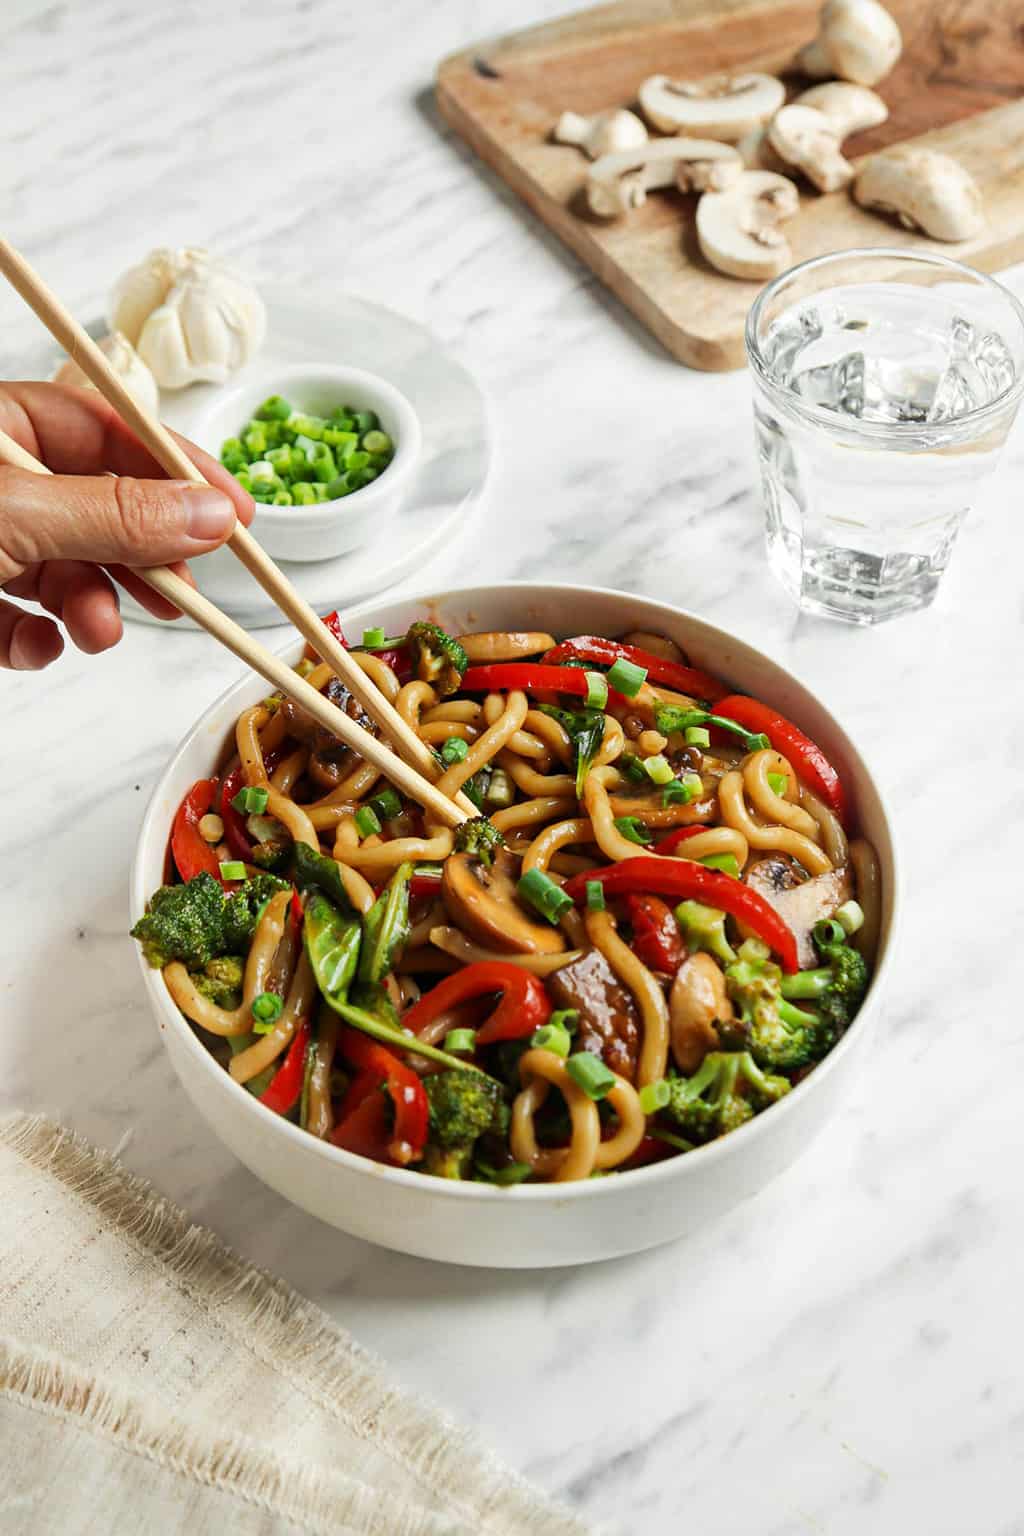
column 210, row 514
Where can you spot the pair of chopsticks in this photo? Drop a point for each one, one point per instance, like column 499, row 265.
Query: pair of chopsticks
column 411, row 767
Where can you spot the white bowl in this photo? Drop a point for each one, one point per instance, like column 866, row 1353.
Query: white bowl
column 533, row 1225
column 331, row 527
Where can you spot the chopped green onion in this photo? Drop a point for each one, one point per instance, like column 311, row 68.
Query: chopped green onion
column 233, row 869
column 454, row 750
column 654, row 1096
column 282, row 499
column 376, row 441
column 827, row 931
column 252, row 800
column 366, row 821
column 632, row 829
column 850, row 916
column 385, row 643
column 567, row 1019
column 500, row 791
column 373, row 637
column 627, row 678
column 597, row 690
column 544, row 895
column 633, row 767
column 460, row 1040
column 778, row 783
column 658, row 769
column 669, row 719
column 675, row 794
column 552, row 1037
column 387, row 804
column 590, row 1073
column 266, row 1010
column 726, row 862
column 595, row 896
column 274, row 408
column 697, row 736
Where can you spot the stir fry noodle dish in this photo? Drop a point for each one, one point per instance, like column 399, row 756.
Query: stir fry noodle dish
column 659, row 922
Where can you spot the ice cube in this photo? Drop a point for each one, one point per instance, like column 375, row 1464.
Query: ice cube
column 953, row 396
column 787, row 338
column 838, row 386
column 994, row 362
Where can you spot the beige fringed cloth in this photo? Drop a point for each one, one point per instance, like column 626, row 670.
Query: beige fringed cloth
column 131, row 1345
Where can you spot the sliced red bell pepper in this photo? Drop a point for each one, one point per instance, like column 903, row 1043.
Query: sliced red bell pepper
column 192, row 854
column 379, row 1067
column 688, row 881
column 533, row 677
column 806, row 756
column 651, row 1149
column 333, row 623
column 400, row 663
column 524, row 1004
column 297, row 915
column 235, row 834
column 683, row 679
column 671, row 842
column 425, row 882
column 657, row 941
column 285, row 1088
column 367, row 1130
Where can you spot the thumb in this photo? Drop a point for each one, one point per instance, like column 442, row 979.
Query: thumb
column 107, row 519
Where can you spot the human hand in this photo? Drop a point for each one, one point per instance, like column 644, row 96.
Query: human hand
column 63, row 536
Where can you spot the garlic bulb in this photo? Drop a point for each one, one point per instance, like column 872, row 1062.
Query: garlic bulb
column 189, row 316
column 128, row 366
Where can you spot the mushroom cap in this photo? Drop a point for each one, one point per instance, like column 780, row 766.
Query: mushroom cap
column 482, row 900
column 723, row 107
column 738, row 229
column 858, row 40
column 620, row 181
column 602, row 134
column 806, row 139
column 928, row 190
column 849, row 108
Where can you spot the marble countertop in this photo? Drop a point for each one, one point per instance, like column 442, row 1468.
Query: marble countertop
column 838, row 1356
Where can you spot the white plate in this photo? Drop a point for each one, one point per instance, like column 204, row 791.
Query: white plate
column 456, row 456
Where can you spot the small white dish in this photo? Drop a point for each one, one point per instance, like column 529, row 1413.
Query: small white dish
column 329, row 528
column 532, row 1225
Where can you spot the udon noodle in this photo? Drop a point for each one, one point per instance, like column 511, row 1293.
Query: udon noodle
column 658, row 924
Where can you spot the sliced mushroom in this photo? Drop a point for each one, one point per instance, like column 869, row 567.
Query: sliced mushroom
column 925, row 190
column 657, row 645
column 609, row 1024
column 697, row 1001
column 857, row 40
column 806, row 139
column 800, row 902
column 849, row 108
column 481, row 899
column 602, row 134
column 723, row 107
column 738, row 230
column 756, row 152
column 622, row 181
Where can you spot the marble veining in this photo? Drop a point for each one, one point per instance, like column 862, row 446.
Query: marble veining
column 839, row 1356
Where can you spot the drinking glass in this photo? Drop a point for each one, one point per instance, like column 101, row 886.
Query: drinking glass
column 885, row 383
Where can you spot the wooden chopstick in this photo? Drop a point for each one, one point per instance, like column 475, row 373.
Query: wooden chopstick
column 278, row 673
column 80, row 346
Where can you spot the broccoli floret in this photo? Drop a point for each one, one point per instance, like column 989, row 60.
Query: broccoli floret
column 183, row 922
column 704, row 928
column 727, row 1089
column 272, row 842
column 242, row 909
column 480, row 837
column 778, row 1036
column 194, row 923
column 464, row 1105
column 436, row 658
column 221, row 980
column 448, row 1162
column 837, row 990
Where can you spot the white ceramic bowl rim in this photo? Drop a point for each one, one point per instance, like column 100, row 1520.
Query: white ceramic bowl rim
column 586, row 1189
column 407, row 436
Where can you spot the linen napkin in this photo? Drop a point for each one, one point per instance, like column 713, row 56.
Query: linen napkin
column 134, row 1346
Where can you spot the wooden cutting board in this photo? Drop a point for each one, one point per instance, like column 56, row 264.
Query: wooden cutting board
column 959, row 87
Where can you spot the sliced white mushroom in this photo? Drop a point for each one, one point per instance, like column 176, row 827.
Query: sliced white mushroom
column 756, row 152
column 622, row 181
column 738, row 229
column 602, row 134
column 926, row 190
column 857, row 40
column 807, row 140
column 724, row 107
column 849, row 108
